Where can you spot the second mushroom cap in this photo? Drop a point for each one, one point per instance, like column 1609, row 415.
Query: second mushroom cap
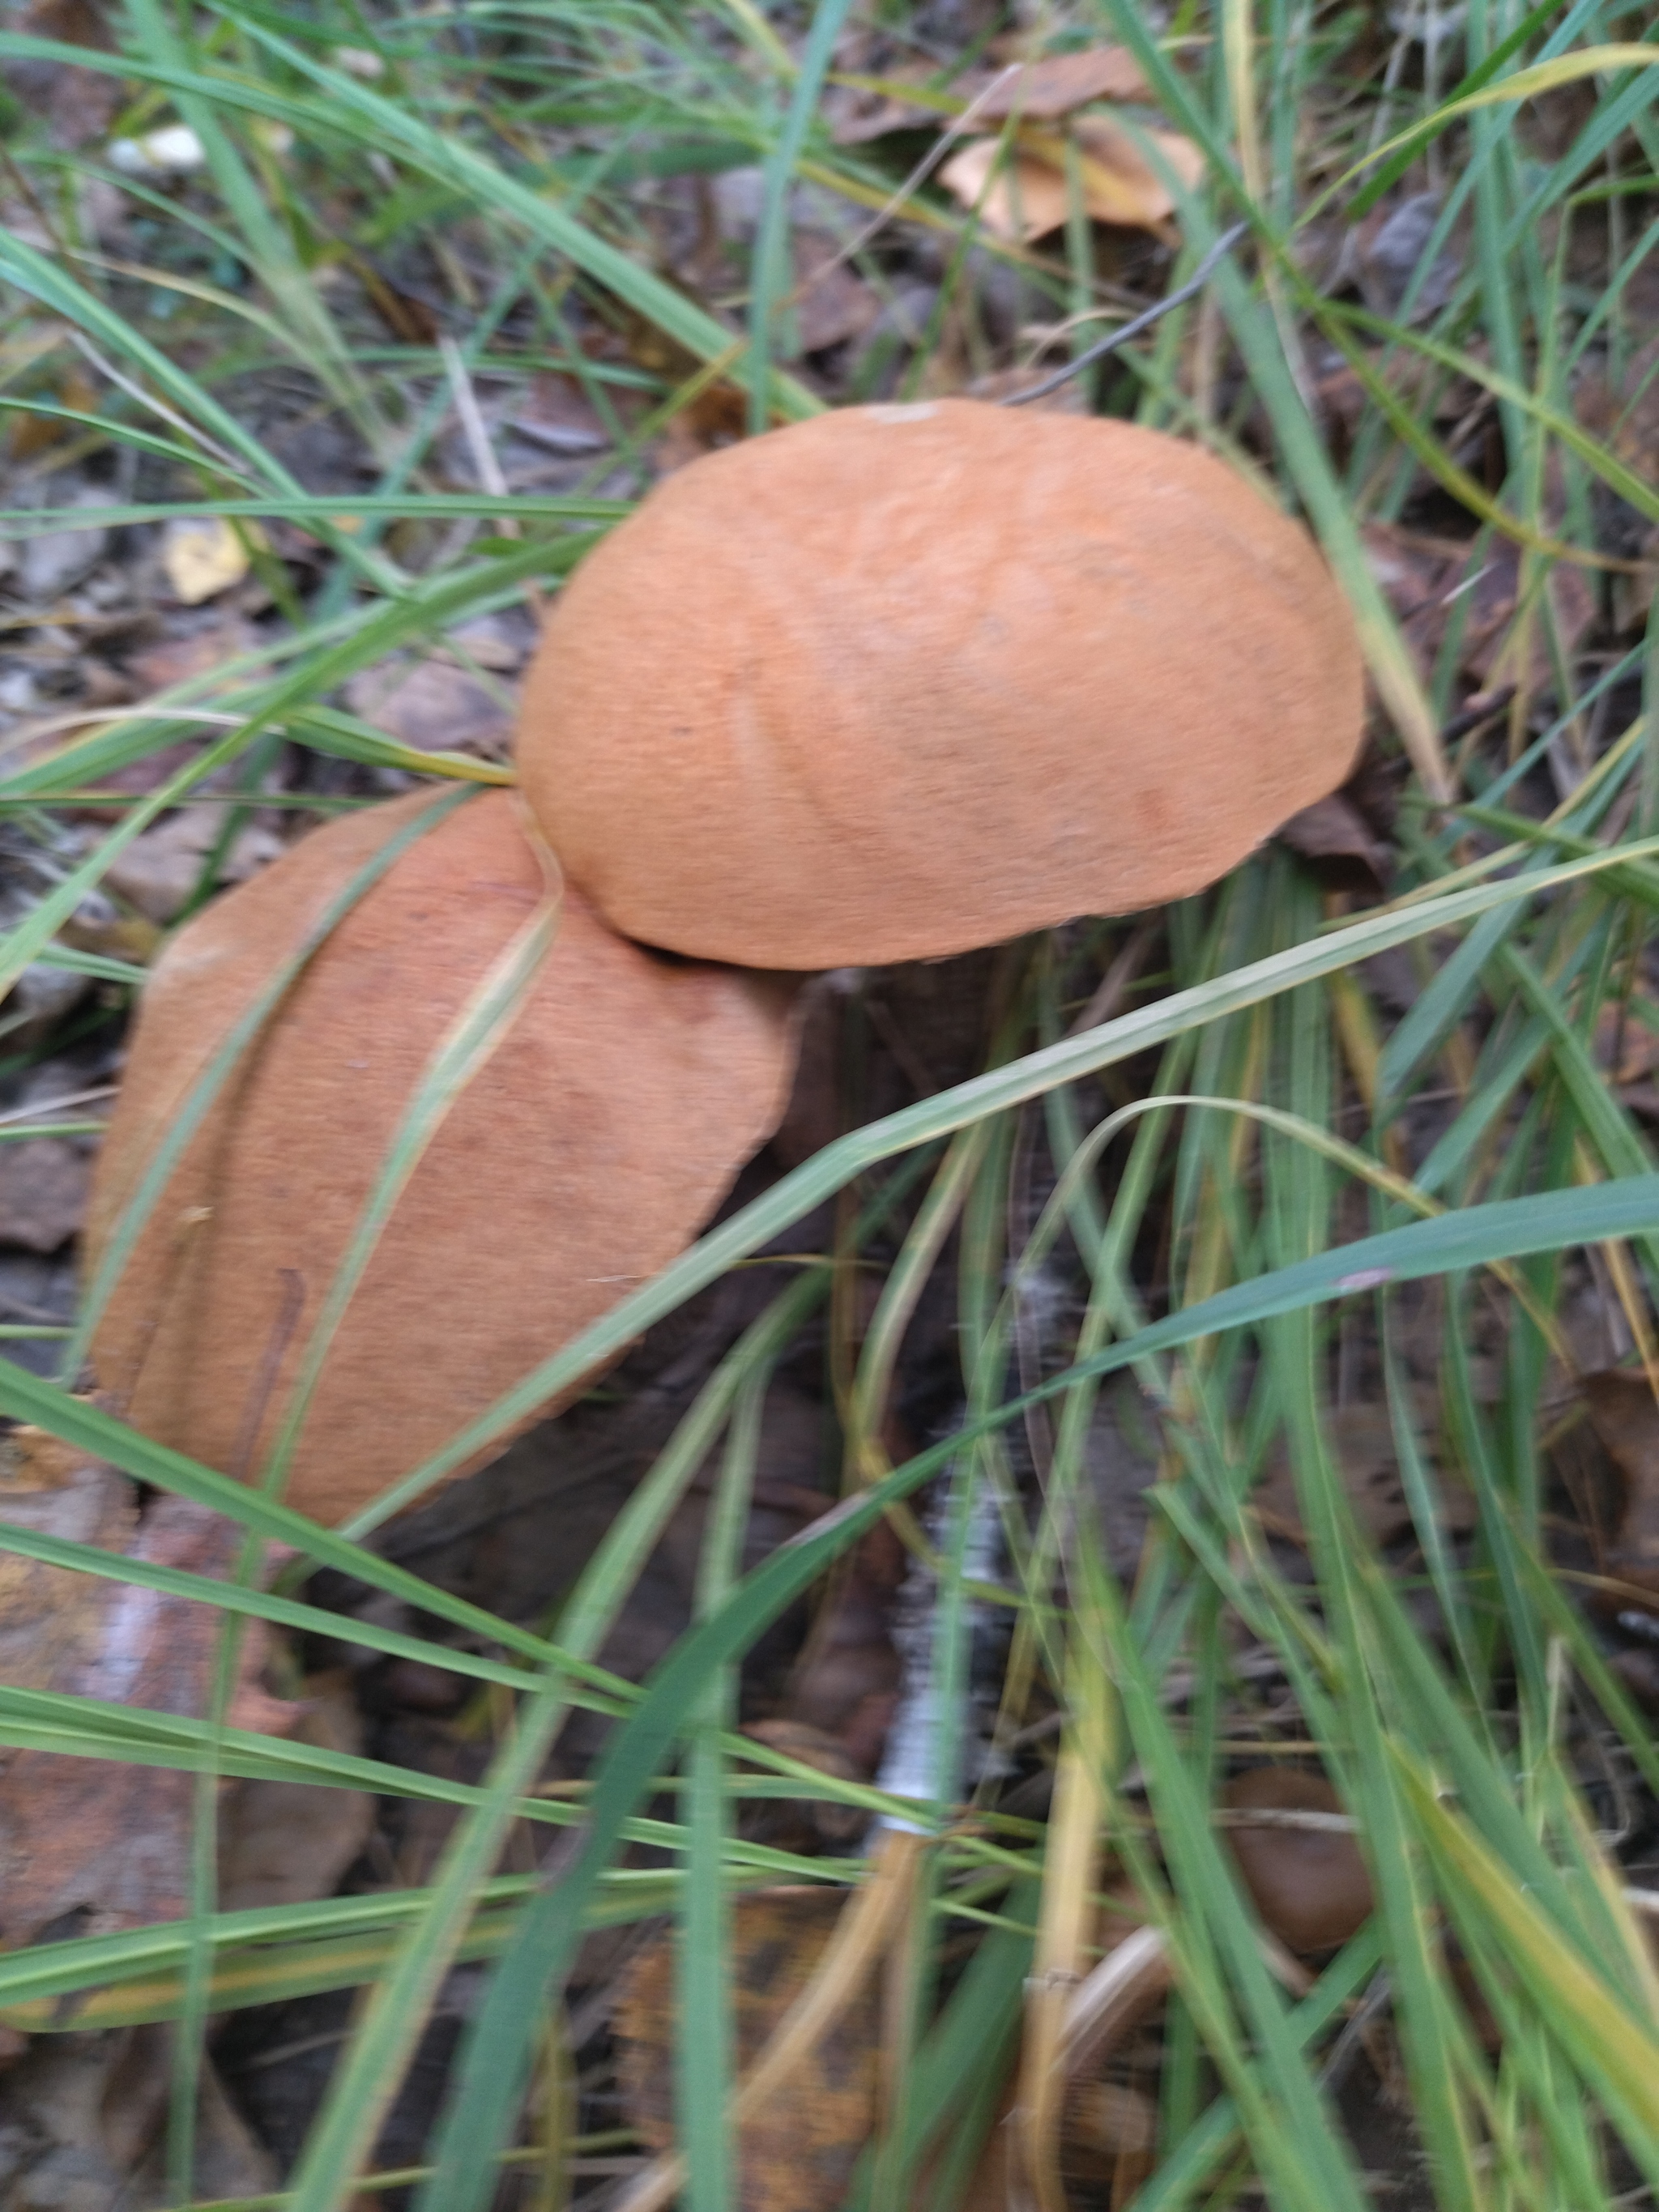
column 584, row 1152
column 900, row 681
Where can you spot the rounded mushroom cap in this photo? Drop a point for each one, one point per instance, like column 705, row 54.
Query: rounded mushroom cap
column 582, row 1155
column 899, row 681
column 1310, row 1885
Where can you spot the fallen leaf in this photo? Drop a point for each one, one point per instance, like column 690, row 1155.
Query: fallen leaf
column 813, row 1117
column 502, row 642
column 408, row 318
column 849, row 1657
column 1347, row 852
column 284, row 1842
column 559, row 417
column 1387, row 248
column 1023, row 200
column 1120, row 185
column 92, row 1844
column 215, row 639
column 431, row 706
column 806, row 1826
column 832, row 303
column 48, row 1615
column 1620, row 1404
column 28, row 437
column 159, row 872
column 1104, row 2126
column 1625, row 414
column 43, row 1192
column 99, row 925
column 87, row 2126
column 78, row 103
column 1362, row 1441
column 201, row 556
column 1309, row 1884
column 1425, row 578
column 1043, row 91
column 797, row 2154
column 1029, row 196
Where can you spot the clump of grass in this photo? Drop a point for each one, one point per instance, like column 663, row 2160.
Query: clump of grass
column 1291, row 1150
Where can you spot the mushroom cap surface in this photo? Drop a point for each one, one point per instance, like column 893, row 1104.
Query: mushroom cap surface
column 1310, row 1885
column 583, row 1155
column 900, row 681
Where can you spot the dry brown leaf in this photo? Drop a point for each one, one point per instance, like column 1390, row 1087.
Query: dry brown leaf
column 1626, row 416
column 1025, row 200
column 87, row 2122
column 1362, row 1440
column 850, row 1663
column 831, row 302
column 215, row 638
column 1043, row 91
column 1310, row 1884
column 78, row 103
column 161, row 867
column 283, row 1843
column 1029, row 197
column 201, row 556
column 42, row 1193
column 430, row 705
column 1620, row 1404
column 1102, row 2123
column 1627, row 1044
column 1347, row 852
column 87, row 1844
column 49, row 1616
column 797, row 2154
column 28, row 437
column 1425, row 579
column 806, row 1826
column 1119, row 184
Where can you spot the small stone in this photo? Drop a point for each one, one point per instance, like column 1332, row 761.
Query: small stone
column 58, row 558
column 42, row 1193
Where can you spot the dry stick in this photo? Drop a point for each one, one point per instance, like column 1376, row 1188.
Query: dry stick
column 45, row 1106
column 490, row 478
column 1195, row 283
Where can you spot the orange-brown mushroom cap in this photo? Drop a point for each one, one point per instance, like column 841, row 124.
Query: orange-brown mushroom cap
column 581, row 1156
column 899, row 681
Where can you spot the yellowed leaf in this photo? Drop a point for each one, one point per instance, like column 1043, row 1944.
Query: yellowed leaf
column 202, row 555
column 1120, row 185
column 1025, row 200
column 1028, row 196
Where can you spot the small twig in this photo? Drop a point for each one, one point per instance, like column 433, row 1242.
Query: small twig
column 1195, row 283
column 185, row 428
column 957, row 127
column 38, row 1110
column 490, row 478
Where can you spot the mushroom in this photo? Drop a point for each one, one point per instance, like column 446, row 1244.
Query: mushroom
column 903, row 680
column 1309, row 1884
column 584, row 1153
